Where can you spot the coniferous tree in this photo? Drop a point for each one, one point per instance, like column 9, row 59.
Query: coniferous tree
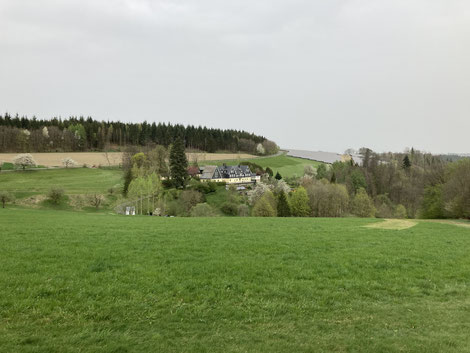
column 178, row 164
column 127, row 181
column 278, row 176
column 283, row 208
column 406, row 162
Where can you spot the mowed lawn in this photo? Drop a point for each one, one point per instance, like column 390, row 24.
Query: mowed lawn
column 72, row 180
column 77, row 282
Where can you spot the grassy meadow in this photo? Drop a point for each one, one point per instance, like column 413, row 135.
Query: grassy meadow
column 78, row 282
column 72, row 180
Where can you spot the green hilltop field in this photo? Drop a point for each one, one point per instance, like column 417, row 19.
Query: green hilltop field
column 78, row 282
column 285, row 165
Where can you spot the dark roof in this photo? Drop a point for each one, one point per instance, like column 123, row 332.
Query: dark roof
column 226, row 171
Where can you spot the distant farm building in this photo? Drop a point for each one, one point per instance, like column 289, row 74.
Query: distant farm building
column 237, row 174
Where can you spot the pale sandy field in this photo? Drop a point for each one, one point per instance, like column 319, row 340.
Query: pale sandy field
column 112, row 158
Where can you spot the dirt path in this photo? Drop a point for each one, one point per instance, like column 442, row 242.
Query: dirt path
column 399, row 224
column 452, row 222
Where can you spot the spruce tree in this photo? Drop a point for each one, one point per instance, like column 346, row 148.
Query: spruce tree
column 127, row 181
column 406, row 162
column 178, row 164
column 278, row 176
column 283, row 208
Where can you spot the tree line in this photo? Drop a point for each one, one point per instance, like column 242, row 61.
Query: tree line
column 412, row 184
column 21, row 134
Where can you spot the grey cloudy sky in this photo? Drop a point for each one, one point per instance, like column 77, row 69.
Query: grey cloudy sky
column 309, row 74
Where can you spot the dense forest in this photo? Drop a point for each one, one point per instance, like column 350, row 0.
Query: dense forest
column 21, row 134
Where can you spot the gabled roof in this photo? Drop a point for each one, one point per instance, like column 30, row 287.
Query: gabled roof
column 207, row 172
column 225, row 172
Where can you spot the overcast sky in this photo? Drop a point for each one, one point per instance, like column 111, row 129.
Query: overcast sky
column 309, row 74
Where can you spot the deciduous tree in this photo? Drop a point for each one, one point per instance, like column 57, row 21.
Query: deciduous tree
column 5, row 197
column 362, row 205
column 24, row 160
column 299, row 203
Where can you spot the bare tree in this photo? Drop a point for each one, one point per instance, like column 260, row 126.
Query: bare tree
column 96, row 200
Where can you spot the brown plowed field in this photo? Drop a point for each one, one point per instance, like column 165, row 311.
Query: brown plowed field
column 113, row 158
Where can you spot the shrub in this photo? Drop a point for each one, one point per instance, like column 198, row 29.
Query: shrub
column 263, row 208
column 24, row 160
column 167, row 183
column 5, row 197
column 362, row 205
column 190, row 198
column 68, row 162
column 299, row 203
column 199, row 186
column 229, row 208
column 400, row 212
column 175, row 208
column 202, row 210
column 212, row 186
column 95, row 200
column 243, row 210
column 55, row 195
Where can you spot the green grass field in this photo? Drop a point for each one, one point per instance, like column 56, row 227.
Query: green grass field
column 286, row 166
column 73, row 181
column 77, row 282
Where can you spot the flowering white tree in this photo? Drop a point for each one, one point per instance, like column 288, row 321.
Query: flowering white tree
column 281, row 185
column 310, row 171
column 259, row 190
column 260, row 149
column 45, row 132
column 68, row 162
column 24, row 160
